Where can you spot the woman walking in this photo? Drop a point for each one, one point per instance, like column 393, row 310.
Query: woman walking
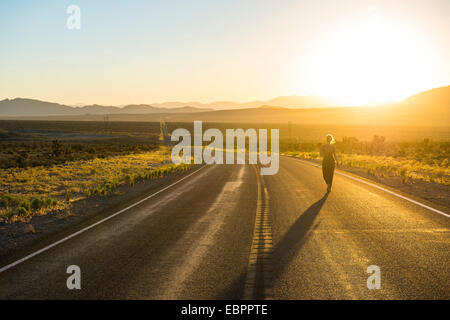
column 328, row 152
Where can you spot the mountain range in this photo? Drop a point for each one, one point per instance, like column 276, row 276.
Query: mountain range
column 31, row 107
column 292, row 101
column 428, row 108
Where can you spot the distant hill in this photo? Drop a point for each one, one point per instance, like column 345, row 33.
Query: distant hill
column 429, row 105
column 429, row 108
column 20, row 107
column 436, row 99
column 30, row 107
column 301, row 102
column 283, row 101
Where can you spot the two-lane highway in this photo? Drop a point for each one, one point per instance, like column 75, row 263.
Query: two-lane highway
column 323, row 245
column 199, row 238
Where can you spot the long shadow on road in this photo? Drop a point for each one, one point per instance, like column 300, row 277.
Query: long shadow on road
column 286, row 249
column 297, row 235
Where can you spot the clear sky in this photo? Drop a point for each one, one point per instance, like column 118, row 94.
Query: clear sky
column 356, row 51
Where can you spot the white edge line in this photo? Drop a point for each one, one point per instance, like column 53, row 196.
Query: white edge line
column 380, row 188
column 93, row 225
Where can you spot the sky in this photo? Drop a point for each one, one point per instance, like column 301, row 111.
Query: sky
column 354, row 51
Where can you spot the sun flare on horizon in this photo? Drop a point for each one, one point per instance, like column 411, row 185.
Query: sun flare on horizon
column 371, row 60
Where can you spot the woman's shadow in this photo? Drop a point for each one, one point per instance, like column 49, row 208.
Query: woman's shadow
column 297, row 235
column 292, row 241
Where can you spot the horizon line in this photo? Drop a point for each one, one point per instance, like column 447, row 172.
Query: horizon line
column 186, row 104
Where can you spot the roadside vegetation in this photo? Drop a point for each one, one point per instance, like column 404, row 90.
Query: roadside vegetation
column 25, row 192
column 423, row 160
column 35, row 154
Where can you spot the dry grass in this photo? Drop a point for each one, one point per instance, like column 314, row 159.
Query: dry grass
column 37, row 190
column 385, row 166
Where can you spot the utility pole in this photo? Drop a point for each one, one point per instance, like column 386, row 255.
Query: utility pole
column 106, row 123
column 290, row 133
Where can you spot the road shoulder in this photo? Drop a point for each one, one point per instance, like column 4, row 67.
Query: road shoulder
column 20, row 238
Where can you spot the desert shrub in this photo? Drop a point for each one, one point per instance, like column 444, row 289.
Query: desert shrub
column 8, row 213
column 24, row 203
column 404, row 174
column 36, row 203
column 130, row 178
column 4, row 201
column 23, row 212
column 89, row 192
column 49, row 202
column 107, row 186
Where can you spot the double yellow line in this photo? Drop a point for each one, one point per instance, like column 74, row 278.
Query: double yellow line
column 259, row 282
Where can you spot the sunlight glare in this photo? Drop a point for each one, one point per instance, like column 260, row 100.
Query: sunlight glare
column 371, row 60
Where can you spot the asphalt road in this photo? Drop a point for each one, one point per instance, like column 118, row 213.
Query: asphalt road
column 227, row 233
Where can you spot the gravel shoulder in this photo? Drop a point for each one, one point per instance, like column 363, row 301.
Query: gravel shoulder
column 21, row 237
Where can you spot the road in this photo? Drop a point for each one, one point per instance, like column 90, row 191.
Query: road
column 225, row 232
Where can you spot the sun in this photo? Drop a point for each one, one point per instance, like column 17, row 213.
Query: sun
column 371, row 60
